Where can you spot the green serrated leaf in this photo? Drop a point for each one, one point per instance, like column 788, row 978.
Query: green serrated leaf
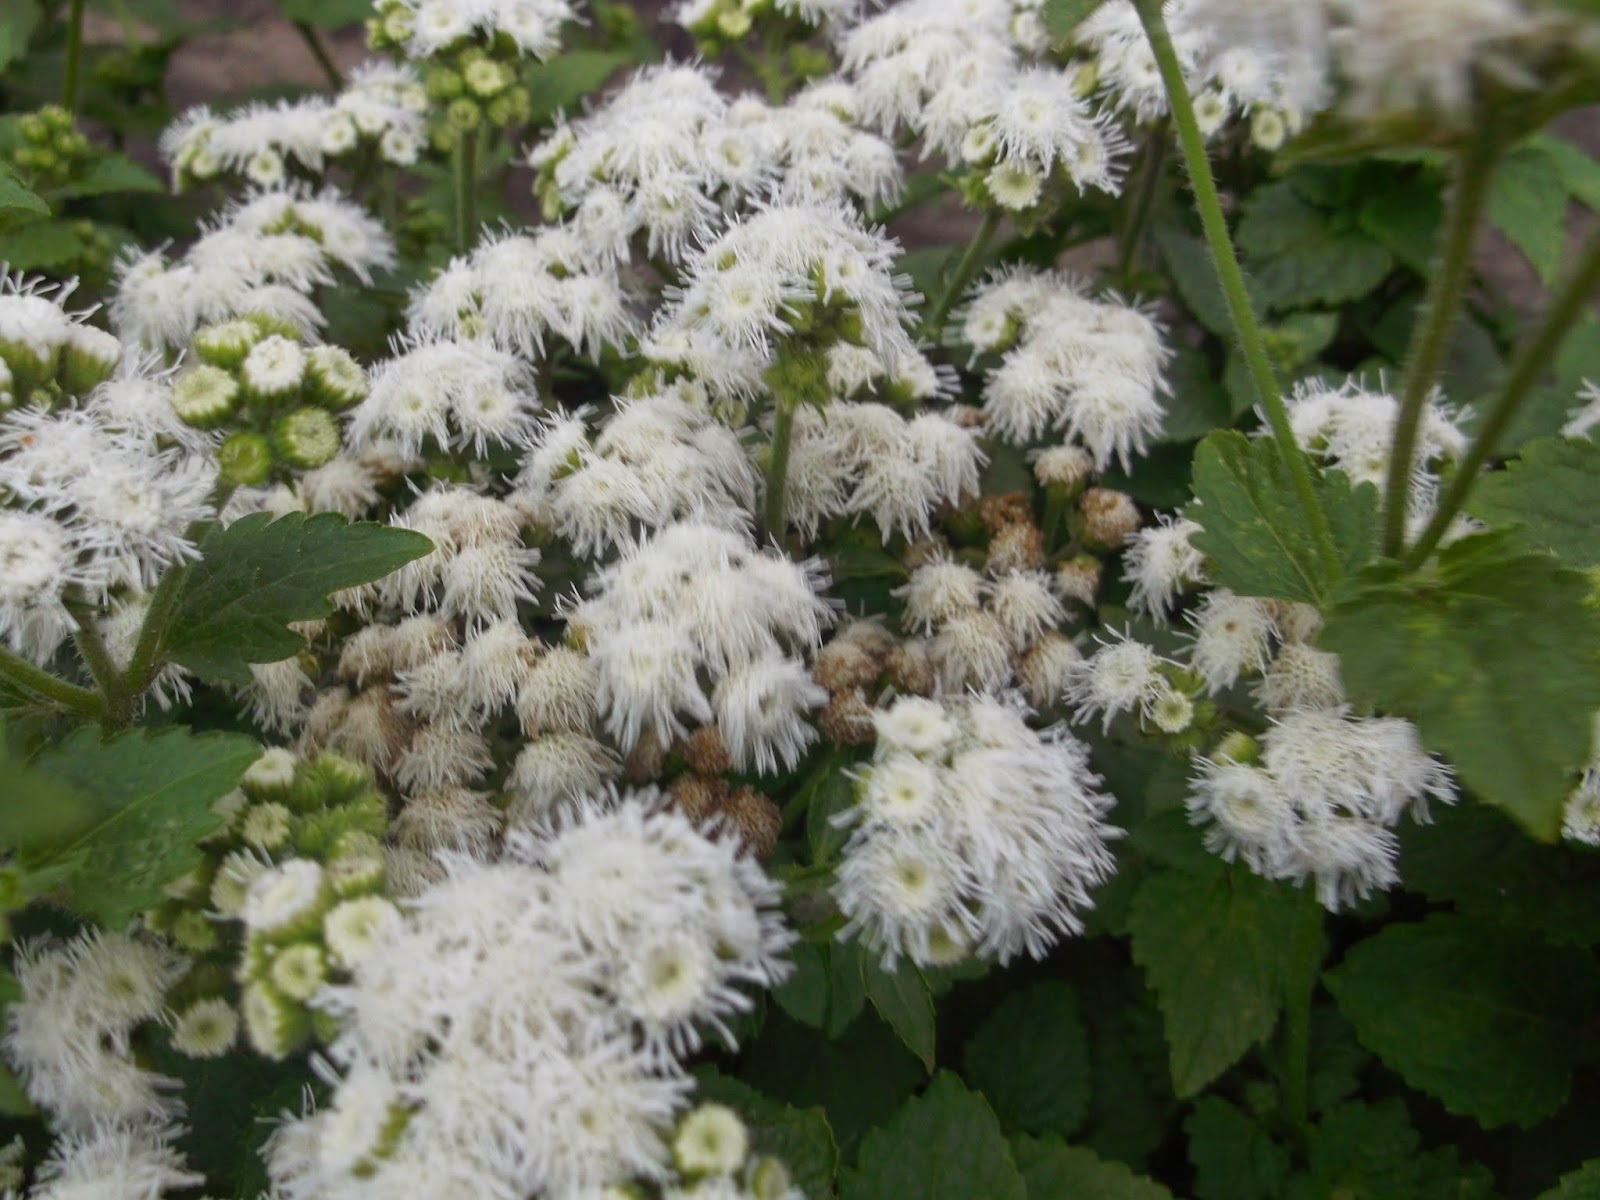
column 901, row 997
column 1061, row 17
column 1552, row 492
column 1234, row 1157
column 1492, row 655
column 1254, row 532
column 111, row 173
column 147, row 800
column 1405, row 217
column 944, row 1145
column 1582, row 1184
column 1198, row 403
column 1579, row 169
column 1488, row 1020
column 39, row 244
column 16, row 199
column 1528, row 203
column 1301, row 257
column 326, row 14
column 567, row 79
column 1214, row 946
column 1371, row 1151
column 800, row 1137
column 1030, row 1058
column 825, row 991
column 1051, row 1169
column 827, row 793
column 257, row 575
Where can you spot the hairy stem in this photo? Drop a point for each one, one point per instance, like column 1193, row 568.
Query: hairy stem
column 1305, row 962
column 1527, row 364
column 85, row 702
column 933, row 327
column 313, row 41
column 1447, row 284
column 1209, row 204
column 466, row 178
column 92, row 649
column 778, row 468
column 74, row 61
column 1146, row 183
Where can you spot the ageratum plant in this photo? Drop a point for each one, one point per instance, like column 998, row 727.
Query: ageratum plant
column 788, row 599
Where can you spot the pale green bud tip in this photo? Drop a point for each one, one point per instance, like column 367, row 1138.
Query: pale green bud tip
column 711, row 1140
column 265, row 826
column 484, row 78
column 89, row 358
column 205, row 396
column 206, row 1029
column 226, row 343
column 194, row 932
column 307, row 437
column 355, row 927
column 356, row 874
column 271, row 775
column 335, row 378
column 770, row 1180
column 1237, row 747
column 245, row 459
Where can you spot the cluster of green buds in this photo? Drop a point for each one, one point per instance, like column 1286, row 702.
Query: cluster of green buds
column 50, row 150
column 717, row 24
column 301, row 863
column 712, row 1155
column 473, row 82
column 54, row 363
column 278, row 397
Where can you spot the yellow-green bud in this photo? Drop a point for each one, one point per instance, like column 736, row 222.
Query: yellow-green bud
column 205, row 397
column 307, row 437
column 245, row 459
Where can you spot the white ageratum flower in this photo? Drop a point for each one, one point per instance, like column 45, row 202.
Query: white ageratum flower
column 1160, row 563
column 973, row 834
column 456, row 1067
column 1092, row 370
column 1321, row 801
column 458, row 395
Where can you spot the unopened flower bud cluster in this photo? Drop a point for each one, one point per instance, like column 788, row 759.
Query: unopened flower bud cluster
column 49, row 150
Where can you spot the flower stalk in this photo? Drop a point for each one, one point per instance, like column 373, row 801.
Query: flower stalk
column 933, row 327
column 1248, row 332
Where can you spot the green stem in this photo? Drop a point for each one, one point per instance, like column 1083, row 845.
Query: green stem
column 92, row 649
column 933, row 327
column 466, row 177
column 778, row 468
column 1146, row 183
column 1209, row 204
column 82, row 701
column 1527, row 364
column 1447, row 284
column 313, row 42
column 1304, row 964
column 69, row 78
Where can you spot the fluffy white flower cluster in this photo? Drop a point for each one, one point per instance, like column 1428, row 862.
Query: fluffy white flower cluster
column 973, row 833
column 69, row 1034
column 990, row 627
column 699, row 609
column 773, row 271
column 656, row 459
column 383, row 103
column 518, row 289
column 1265, row 62
column 1322, row 800
column 669, row 153
column 854, row 460
column 1125, row 675
column 1161, row 564
column 424, row 28
column 46, row 351
column 447, row 395
column 479, row 567
column 460, row 1072
column 1091, row 369
column 114, row 1162
column 959, row 77
column 266, row 254
column 96, row 531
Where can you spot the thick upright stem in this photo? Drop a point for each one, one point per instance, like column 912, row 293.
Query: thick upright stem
column 19, row 671
column 778, row 468
column 1532, row 357
column 1446, row 286
column 466, row 178
column 313, row 41
column 74, row 60
column 92, row 649
column 1215, row 224
column 1305, row 961
column 965, row 270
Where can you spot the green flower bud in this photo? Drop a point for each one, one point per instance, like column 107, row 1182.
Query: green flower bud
column 331, row 779
column 770, row 1179
column 266, row 826
column 356, row 875
column 443, row 84
column 485, row 78
column 463, row 115
column 353, row 928
column 194, row 932
column 206, row 1029
column 307, row 437
column 711, row 1140
column 334, row 379
column 276, row 1025
column 299, row 970
column 1238, row 747
column 272, row 371
column 205, row 397
column 226, row 343
column 245, row 459
column 33, row 128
